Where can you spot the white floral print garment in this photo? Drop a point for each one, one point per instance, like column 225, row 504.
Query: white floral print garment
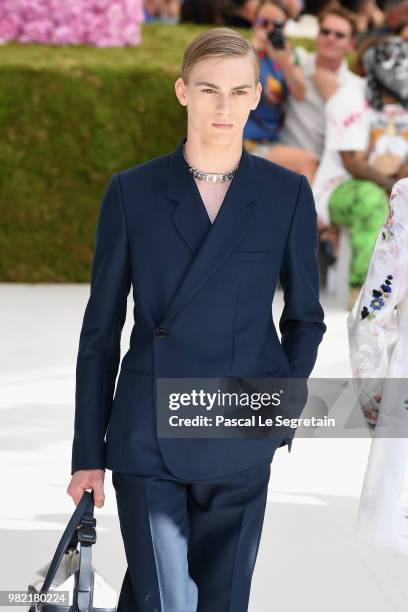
column 378, row 342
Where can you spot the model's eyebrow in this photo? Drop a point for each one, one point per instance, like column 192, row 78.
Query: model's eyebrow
column 216, row 86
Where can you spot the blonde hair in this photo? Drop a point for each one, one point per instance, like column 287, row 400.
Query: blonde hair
column 217, row 42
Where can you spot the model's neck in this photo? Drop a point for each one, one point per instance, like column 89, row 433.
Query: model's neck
column 330, row 64
column 208, row 156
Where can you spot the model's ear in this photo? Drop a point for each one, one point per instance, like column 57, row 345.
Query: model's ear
column 180, row 89
column 258, row 93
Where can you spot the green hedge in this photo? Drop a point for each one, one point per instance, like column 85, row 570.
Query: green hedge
column 69, row 118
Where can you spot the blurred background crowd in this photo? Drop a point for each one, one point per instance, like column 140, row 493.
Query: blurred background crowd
column 334, row 107
column 343, row 124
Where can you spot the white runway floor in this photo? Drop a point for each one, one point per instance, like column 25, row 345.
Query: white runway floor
column 308, row 560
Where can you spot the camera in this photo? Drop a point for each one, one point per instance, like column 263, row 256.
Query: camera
column 276, row 36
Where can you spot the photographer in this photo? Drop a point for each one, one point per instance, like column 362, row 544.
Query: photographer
column 280, row 77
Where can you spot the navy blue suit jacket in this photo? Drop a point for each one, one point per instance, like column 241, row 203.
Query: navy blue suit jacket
column 210, row 287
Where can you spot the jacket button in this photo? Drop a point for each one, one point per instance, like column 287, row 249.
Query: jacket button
column 161, row 333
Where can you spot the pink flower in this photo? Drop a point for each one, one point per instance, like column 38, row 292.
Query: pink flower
column 131, row 34
column 100, row 5
column 37, row 31
column 103, row 23
column 9, row 29
column 63, row 35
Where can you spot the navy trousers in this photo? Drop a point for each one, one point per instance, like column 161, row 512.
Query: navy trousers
column 190, row 546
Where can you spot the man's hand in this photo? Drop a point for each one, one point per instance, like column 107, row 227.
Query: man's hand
column 294, row 75
column 87, row 479
column 356, row 163
column 387, row 163
column 283, row 57
column 261, row 42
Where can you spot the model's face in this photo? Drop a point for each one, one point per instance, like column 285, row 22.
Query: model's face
column 219, row 96
column 335, row 39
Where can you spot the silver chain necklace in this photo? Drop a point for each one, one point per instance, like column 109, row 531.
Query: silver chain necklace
column 211, row 177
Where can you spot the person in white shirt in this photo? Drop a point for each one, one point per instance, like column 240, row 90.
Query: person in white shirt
column 325, row 71
column 366, row 151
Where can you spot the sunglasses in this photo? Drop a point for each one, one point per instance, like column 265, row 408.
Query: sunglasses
column 267, row 23
column 328, row 31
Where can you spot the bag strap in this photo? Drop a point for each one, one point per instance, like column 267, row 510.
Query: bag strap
column 83, row 510
column 83, row 592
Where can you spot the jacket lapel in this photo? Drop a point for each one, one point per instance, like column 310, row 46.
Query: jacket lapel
column 190, row 217
column 210, row 243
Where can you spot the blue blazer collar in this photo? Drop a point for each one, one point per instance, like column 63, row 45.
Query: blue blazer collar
column 209, row 243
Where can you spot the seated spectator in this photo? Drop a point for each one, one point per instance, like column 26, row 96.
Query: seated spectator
column 171, row 12
column 395, row 14
column 201, row 11
column 369, row 16
column 166, row 11
column 239, row 13
column 324, row 71
column 152, row 9
column 279, row 77
column 366, row 151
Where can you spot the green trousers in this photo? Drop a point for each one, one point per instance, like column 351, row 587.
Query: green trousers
column 362, row 207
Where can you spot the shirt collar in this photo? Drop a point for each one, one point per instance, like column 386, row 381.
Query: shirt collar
column 311, row 66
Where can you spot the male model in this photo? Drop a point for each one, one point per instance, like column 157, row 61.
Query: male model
column 202, row 234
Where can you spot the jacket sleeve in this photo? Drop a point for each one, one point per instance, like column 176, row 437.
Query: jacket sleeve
column 99, row 344
column 301, row 324
column 373, row 323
